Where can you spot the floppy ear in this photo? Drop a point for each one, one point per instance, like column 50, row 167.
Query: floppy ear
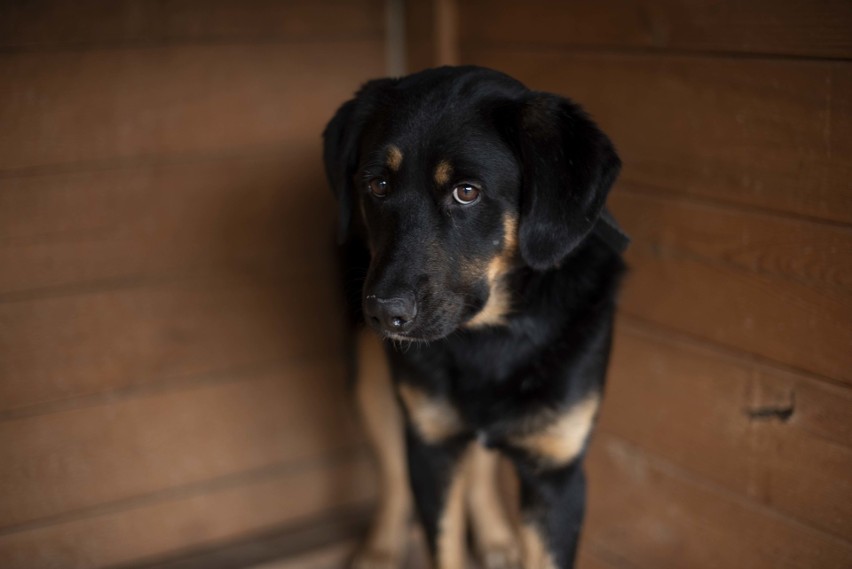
column 568, row 166
column 341, row 139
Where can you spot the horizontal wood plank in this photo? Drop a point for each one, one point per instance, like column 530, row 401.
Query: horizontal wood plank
column 272, row 213
column 657, row 517
column 151, row 443
column 109, row 22
column 156, row 333
column 206, row 516
column 791, row 27
column 766, row 133
column 768, row 285
column 713, row 416
column 785, row 248
column 793, row 324
column 102, row 106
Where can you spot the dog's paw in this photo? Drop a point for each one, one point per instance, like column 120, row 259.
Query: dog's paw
column 504, row 556
column 369, row 559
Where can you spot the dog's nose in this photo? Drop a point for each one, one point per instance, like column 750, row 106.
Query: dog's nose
column 394, row 314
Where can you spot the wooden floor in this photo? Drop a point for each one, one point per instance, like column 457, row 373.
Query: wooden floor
column 336, row 556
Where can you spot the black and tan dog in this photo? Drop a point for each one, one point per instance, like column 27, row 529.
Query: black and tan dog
column 477, row 246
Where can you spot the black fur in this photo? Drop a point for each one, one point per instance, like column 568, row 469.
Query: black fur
column 539, row 159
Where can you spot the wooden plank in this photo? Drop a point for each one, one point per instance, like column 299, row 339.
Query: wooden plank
column 200, row 518
column 790, row 27
column 722, row 419
column 159, row 441
column 272, row 213
column 767, row 133
column 658, row 518
column 102, row 106
column 103, row 340
column 49, row 23
column 785, row 248
column 793, row 324
column 776, row 287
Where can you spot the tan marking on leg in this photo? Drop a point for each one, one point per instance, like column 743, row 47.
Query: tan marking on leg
column 493, row 532
column 434, row 419
column 499, row 303
column 450, row 546
column 536, row 554
column 394, row 158
column 383, row 423
column 561, row 439
column 443, row 173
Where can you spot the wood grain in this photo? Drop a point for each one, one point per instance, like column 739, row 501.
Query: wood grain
column 270, row 213
column 87, row 23
column 772, row 134
column 791, row 27
column 107, row 105
column 658, row 517
column 779, row 247
column 758, row 283
column 711, row 415
column 146, row 444
column 201, row 517
column 163, row 332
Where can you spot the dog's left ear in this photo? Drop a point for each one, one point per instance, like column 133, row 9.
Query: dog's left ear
column 569, row 165
column 341, row 141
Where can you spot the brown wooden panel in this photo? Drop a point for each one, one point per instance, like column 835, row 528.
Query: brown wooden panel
column 60, row 108
column 773, row 286
column 66, row 346
column 701, row 411
column 201, row 517
column 774, row 134
column 153, row 442
column 586, row 560
column 272, row 212
column 787, row 27
column 786, row 248
column 657, row 517
column 97, row 22
column 793, row 324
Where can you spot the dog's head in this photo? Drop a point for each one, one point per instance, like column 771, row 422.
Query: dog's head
column 455, row 177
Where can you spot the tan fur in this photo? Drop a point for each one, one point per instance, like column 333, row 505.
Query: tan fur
column 536, row 555
column 499, row 303
column 561, row 438
column 434, row 419
column 443, row 173
column 451, row 551
column 394, row 158
column 493, row 532
column 382, row 419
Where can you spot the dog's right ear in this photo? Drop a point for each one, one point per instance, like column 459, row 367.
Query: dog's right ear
column 341, row 141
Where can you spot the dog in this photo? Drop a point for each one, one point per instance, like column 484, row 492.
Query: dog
column 481, row 269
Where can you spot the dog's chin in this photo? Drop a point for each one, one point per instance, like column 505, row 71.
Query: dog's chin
column 416, row 336
column 422, row 335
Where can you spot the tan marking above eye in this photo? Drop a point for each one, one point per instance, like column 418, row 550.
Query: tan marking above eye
column 443, row 173
column 499, row 303
column 434, row 419
column 560, row 440
column 394, row 157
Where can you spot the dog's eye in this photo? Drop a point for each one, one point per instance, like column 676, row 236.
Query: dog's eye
column 379, row 187
column 465, row 194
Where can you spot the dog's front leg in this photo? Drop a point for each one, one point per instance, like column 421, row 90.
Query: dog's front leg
column 553, row 486
column 437, row 450
column 553, row 505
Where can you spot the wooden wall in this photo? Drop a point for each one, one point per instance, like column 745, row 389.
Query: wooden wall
column 170, row 334
column 726, row 435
